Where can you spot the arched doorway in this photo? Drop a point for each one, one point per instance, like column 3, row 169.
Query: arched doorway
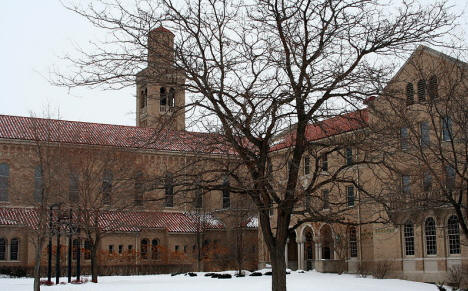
column 326, row 239
column 309, row 246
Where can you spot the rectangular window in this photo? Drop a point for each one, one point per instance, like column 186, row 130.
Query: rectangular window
column 409, row 239
column 446, row 128
column 198, row 197
column 405, row 184
column 353, row 243
column 349, row 156
column 169, row 191
column 404, row 138
column 87, row 250
column 176, row 249
column 324, row 161
column 449, row 177
column 74, row 189
column 130, row 248
column 226, row 194
column 120, row 249
column 111, row 249
column 4, row 175
column 427, row 182
column 424, row 131
column 325, row 194
column 306, row 165
column 76, row 248
column 350, row 195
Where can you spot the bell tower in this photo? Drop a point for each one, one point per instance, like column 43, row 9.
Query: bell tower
column 160, row 101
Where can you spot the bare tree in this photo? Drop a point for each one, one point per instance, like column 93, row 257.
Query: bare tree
column 255, row 68
column 101, row 181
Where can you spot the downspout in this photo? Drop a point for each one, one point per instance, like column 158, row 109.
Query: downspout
column 359, row 219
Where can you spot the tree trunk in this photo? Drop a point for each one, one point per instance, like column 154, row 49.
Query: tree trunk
column 37, row 264
column 94, row 264
column 278, row 265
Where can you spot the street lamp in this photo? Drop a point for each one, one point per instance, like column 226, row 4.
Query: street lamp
column 49, row 264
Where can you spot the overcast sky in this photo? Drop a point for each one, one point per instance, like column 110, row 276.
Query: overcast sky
column 34, row 34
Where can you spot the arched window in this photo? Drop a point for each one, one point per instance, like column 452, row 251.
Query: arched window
column 138, row 188
column 107, row 186
column 14, row 246
column 353, row 242
column 433, row 87
column 3, row 245
column 144, row 248
column 154, row 249
column 4, row 175
column 171, row 99
column 422, row 90
column 453, row 235
column 162, row 99
column 38, row 184
column 409, row 238
column 431, row 238
column 409, row 94
column 76, row 248
column 74, row 188
column 169, row 190
column 226, row 194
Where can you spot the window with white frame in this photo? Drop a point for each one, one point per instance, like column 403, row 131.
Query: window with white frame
column 431, row 237
column 353, row 242
column 408, row 233
column 453, row 235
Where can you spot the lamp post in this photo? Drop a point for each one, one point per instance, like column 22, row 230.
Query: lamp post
column 70, row 231
column 49, row 249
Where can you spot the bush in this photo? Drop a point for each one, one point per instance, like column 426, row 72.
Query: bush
column 269, row 273
column 191, row 274
column 14, row 271
column 81, row 281
column 209, row 274
column 381, row 269
column 224, row 276
column 455, row 276
column 46, row 282
column 256, row 274
column 441, row 287
column 363, row 270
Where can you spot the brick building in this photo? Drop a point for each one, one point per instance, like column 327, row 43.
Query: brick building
column 143, row 185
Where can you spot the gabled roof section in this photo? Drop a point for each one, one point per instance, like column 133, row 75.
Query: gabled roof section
column 85, row 133
column 329, row 127
column 119, row 221
column 420, row 49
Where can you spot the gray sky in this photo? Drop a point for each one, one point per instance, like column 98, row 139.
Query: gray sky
column 34, row 35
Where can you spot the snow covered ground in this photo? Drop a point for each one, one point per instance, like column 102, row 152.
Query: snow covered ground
column 296, row 282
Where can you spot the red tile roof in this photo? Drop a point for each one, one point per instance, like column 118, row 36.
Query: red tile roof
column 121, row 221
column 328, row 127
column 74, row 132
column 162, row 29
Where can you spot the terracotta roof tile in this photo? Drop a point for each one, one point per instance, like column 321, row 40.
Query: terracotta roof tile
column 328, row 127
column 74, row 132
column 122, row 221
